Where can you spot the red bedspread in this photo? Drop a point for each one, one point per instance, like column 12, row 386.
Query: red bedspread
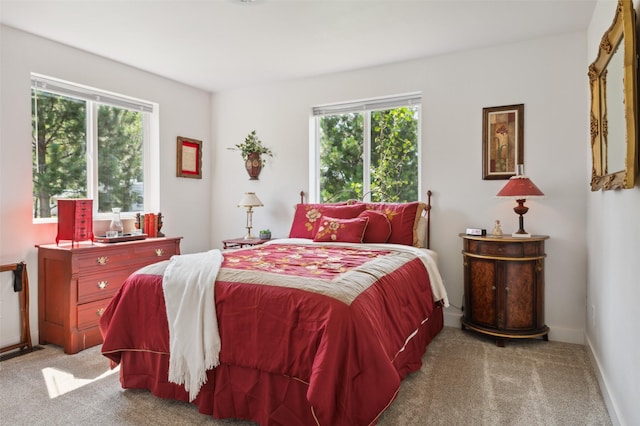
column 325, row 321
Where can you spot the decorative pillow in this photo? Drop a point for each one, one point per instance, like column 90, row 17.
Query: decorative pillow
column 307, row 216
column 404, row 219
column 341, row 230
column 378, row 229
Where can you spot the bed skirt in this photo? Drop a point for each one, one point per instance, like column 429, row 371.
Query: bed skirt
column 242, row 393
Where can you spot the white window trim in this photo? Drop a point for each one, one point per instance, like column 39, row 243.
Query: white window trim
column 373, row 104
column 79, row 91
column 151, row 142
column 365, row 107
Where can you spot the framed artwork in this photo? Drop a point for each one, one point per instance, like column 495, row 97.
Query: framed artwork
column 502, row 141
column 189, row 158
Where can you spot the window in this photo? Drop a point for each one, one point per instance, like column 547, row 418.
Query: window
column 367, row 149
column 87, row 143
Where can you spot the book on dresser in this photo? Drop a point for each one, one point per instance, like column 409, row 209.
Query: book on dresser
column 76, row 282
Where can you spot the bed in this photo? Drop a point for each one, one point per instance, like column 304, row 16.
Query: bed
column 316, row 329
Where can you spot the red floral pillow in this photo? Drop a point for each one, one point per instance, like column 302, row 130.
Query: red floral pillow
column 333, row 229
column 307, row 216
column 378, row 229
column 404, row 219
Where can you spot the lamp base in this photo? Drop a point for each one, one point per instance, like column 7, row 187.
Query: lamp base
column 525, row 235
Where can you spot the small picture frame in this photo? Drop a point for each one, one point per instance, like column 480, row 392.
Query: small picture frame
column 502, row 141
column 189, row 158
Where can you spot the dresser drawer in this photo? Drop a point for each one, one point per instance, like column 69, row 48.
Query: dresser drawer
column 83, row 220
column 122, row 255
column 505, row 249
column 103, row 259
column 101, row 286
column 89, row 314
column 155, row 252
column 495, row 249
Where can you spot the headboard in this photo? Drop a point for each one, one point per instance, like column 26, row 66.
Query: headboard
column 426, row 214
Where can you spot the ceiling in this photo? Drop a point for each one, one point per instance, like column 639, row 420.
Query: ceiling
column 224, row 44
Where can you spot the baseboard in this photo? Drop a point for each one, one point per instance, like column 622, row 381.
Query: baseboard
column 558, row 334
column 452, row 319
column 602, row 382
column 566, row 335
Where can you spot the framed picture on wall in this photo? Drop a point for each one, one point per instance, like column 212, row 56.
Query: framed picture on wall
column 189, row 158
column 502, row 141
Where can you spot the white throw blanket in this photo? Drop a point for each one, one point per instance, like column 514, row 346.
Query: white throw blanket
column 194, row 341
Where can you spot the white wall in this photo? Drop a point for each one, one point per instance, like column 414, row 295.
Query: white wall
column 613, row 289
column 184, row 111
column 547, row 75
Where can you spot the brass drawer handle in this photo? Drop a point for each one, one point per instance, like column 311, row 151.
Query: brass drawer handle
column 159, row 252
column 102, row 260
column 99, row 312
column 103, row 284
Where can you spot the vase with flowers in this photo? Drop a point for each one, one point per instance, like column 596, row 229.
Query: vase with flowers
column 254, row 154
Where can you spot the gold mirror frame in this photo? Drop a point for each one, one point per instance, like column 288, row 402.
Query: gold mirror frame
column 621, row 35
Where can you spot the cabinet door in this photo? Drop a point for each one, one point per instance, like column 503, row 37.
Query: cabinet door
column 482, row 303
column 519, row 295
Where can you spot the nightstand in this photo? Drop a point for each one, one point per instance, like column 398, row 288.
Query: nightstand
column 504, row 286
column 241, row 242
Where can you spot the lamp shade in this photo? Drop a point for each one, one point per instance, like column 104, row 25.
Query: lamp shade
column 250, row 200
column 520, row 187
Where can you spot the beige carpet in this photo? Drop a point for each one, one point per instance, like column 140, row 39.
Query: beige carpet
column 529, row 382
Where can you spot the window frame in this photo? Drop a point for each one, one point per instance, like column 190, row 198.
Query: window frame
column 365, row 107
column 150, row 144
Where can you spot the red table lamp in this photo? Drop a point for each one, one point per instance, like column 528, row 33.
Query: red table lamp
column 520, row 188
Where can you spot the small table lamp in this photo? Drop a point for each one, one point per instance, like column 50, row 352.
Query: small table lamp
column 249, row 200
column 520, row 188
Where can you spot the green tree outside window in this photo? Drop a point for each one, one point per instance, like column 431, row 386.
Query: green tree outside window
column 60, row 143
column 393, row 154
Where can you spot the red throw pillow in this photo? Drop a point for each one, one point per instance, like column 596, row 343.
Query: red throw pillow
column 307, row 216
column 404, row 220
column 339, row 212
column 331, row 229
column 378, row 229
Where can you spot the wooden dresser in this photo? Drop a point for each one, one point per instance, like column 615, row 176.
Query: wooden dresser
column 76, row 283
column 504, row 286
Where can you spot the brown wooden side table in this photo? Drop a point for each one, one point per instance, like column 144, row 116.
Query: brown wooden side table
column 21, row 285
column 242, row 242
column 504, row 286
